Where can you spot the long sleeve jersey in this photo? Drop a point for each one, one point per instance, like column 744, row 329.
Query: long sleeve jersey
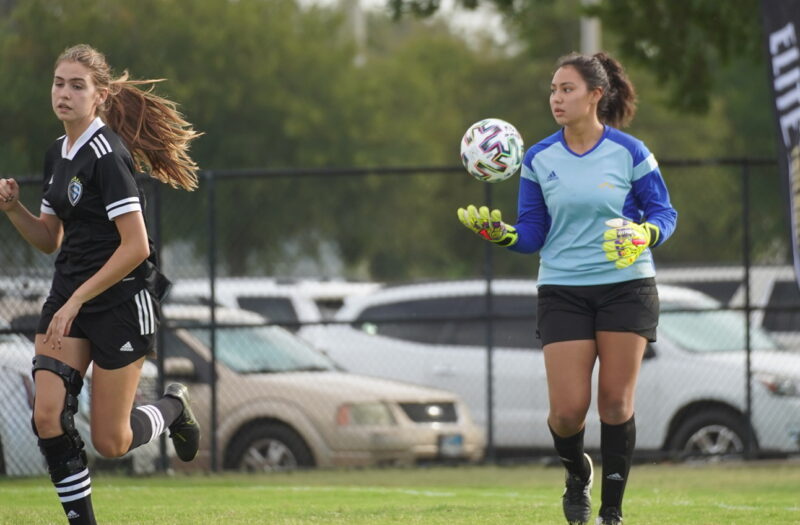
column 565, row 200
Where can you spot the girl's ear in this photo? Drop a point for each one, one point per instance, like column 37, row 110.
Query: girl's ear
column 596, row 94
column 102, row 96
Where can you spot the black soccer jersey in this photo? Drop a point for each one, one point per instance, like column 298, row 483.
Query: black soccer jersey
column 87, row 187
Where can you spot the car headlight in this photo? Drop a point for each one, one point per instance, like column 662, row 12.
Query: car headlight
column 779, row 385
column 364, row 414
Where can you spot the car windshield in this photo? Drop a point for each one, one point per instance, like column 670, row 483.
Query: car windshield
column 711, row 331
column 260, row 349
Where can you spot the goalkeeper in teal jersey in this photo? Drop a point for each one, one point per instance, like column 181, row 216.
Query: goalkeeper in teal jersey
column 593, row 203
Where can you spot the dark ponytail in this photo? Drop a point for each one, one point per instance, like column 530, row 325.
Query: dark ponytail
column 618, row 105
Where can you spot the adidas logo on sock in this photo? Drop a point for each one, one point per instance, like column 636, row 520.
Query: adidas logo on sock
column 127, row 347
column 616, row 476
column 71, row 515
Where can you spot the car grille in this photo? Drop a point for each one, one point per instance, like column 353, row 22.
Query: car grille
column 430, row 412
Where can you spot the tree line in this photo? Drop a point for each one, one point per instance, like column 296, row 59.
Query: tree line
column 276, row 84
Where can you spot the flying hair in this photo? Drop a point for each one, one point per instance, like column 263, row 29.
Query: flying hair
column 155, row 132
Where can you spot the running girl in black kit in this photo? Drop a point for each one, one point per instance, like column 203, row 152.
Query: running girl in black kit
column 103, row 305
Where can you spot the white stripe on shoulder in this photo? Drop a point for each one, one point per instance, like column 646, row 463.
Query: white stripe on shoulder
column 103, row 139
column 645, row 167
column 96, row 151
column 96, row 142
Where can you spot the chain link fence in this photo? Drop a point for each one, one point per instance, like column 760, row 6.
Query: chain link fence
column 359, row 324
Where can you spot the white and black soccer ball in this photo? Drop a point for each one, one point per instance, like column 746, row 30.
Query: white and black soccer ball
column 492, row 150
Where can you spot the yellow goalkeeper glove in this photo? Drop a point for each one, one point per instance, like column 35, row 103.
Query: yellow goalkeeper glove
column 626, row 241
column 488, row 225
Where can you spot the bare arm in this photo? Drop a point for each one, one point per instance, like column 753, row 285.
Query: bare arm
column 132, row 251
column 44, row 232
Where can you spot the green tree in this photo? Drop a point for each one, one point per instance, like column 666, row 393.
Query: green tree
column 684, row 44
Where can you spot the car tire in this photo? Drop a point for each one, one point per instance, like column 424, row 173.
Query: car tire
column 709, row 435
column 268, row 447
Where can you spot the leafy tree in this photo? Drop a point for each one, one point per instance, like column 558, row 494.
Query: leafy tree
column 682, row 43
column 275, row 86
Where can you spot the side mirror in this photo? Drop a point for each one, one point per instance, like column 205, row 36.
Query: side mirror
column 180, row 368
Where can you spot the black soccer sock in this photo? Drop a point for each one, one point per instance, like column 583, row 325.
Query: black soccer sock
column 75, row 489
column 616, row 448
column 570, row 451
column 149, row 421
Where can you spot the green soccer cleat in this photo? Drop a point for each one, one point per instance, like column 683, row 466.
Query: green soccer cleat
column 577, row 498
column 184, row 431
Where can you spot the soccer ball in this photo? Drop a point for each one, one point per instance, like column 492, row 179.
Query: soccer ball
column 492, row 150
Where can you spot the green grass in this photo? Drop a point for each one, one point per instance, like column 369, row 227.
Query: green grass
column 741, row 494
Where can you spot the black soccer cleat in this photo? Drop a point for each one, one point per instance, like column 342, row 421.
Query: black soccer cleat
column 184, row 431
column 577, row 498
column 609, row 516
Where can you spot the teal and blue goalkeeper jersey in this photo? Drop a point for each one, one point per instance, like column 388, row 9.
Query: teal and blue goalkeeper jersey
column 565, row 200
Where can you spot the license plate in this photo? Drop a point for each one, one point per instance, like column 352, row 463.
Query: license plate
column 451, row 445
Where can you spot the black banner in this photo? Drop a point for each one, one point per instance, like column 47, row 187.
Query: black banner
column 782, row 36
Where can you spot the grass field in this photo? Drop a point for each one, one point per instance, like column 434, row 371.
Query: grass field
column 741, row 494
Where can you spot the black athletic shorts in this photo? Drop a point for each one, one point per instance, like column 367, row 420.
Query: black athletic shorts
column 118, row 336
column 569, row 313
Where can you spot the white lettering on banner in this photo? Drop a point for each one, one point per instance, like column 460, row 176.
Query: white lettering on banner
column 786, row 69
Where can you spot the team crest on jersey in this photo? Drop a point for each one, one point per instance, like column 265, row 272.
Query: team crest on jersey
column 74, row 190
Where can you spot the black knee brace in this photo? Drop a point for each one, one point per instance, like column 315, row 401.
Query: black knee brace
column 64, row 454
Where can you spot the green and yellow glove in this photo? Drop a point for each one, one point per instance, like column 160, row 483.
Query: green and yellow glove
column 488, row 225
column 626, row 240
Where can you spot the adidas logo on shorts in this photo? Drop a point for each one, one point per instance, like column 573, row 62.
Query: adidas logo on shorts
column 127, row 347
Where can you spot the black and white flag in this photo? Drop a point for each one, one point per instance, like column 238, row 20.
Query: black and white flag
column 782, row 35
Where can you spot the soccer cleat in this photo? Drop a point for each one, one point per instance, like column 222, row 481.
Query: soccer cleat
column 609, row 516
column 184, row 431
column 577, row 498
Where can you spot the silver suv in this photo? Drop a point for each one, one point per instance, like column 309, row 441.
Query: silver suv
column 691, row 393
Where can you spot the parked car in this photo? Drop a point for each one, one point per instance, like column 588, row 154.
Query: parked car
column 281, row 404
column 280, row 301
column 691, row 394
column 774, row 294
column 19, row 453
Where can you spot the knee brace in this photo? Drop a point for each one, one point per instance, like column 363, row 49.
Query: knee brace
column 64, row 454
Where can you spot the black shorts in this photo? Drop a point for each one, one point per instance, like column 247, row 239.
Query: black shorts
column 118, row 336
column 569, row 313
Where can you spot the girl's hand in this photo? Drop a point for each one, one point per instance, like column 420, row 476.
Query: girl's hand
column 61, row 323
column 9, row 194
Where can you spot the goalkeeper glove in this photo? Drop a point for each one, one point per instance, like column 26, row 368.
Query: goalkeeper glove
column 626, row 241
column 488, row 225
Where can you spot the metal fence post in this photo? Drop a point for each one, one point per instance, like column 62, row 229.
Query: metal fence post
column 212, row 274
column 488, row 273
column 749, row 438
column 157, row 229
